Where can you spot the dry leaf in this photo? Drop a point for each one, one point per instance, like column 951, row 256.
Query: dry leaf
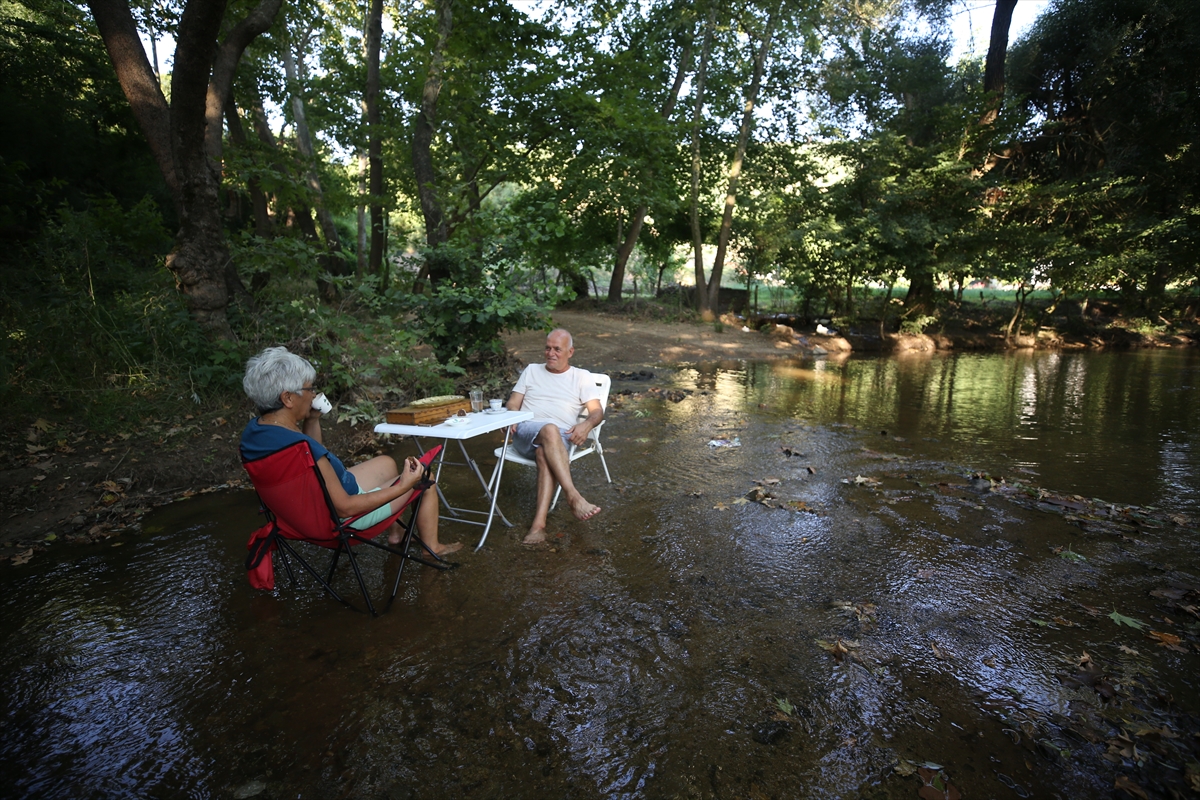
column 22, row 557
column 1128, row 651
column 940, row 653
column 1126, row 784
column 1164, row 639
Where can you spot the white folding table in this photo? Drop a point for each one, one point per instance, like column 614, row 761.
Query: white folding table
column 476, row 424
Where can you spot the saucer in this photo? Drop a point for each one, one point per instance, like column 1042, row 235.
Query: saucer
column 494, row 410
column 455, row 421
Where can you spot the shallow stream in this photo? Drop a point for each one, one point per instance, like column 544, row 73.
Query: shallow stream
column 878, row 612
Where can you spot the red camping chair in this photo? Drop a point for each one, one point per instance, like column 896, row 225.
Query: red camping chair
column 298, row 508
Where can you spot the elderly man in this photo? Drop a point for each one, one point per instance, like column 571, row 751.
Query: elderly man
column 557, row 394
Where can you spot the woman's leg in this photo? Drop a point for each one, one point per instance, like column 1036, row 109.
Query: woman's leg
column 427, row 523
column 378, row 471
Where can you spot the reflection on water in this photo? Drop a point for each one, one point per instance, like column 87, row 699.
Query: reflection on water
column 650, row 652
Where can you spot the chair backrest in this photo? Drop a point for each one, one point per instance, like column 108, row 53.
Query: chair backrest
column 291, row 490
column 604, row 384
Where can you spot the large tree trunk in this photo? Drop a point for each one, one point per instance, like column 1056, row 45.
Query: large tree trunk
column 177, row 136
column 374, row 136
column 735, row 168
column 993, row 70
column 700, row 298
column 422, row 142
column 635, row 224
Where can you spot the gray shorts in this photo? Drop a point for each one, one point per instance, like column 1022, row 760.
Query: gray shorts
column 527, row 431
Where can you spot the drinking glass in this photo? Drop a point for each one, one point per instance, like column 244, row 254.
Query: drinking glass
column 477, row 400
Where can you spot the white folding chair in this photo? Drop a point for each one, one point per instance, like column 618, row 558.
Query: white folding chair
column 604, row 384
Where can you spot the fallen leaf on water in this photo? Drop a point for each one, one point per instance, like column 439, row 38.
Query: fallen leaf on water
column 34, row 448
column 862, row 480
column 1128, row 651
column 1095, row 612
column 721, row 507
column 940, row 653
column 42, row 425
column 767, row 481
column 1163, row 732
column 1066, row 623
column 1121, row 619
column 1041, row 623
column 1164, row 638
column 741, row 501
column 22, row 557
column 799, row 505
column 925, row 574
column 1126, row 784
column 838, row 648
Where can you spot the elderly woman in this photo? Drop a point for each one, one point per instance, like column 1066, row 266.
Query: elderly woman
column 280, row 384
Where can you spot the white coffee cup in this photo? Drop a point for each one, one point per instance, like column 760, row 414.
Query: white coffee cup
column 495, row 405
column 321, row 403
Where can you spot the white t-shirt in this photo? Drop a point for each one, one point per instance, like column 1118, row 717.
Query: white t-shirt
column 560, row 397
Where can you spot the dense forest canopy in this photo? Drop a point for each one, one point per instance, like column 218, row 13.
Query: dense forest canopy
column 475, row 163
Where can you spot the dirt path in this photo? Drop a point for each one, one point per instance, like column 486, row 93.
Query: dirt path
column 617, row 343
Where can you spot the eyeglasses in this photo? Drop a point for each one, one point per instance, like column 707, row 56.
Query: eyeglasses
column 312, row 389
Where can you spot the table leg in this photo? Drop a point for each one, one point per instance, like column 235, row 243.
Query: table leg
column 495, row 491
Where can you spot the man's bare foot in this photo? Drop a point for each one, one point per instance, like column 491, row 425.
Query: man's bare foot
column 583, row 510
column 447, row 549
column 535, row 536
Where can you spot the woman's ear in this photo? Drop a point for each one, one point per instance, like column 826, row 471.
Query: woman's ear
column 287, row 399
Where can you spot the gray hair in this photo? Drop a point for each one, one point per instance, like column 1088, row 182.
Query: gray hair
column 273, row 372
column 570, row 338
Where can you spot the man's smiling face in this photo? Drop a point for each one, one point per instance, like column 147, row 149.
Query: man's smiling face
column 558, row 352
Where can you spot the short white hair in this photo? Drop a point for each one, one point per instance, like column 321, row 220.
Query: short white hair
column 271, row 373
column 570, row 338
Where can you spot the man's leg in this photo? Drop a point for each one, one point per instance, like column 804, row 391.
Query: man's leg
column 554, row 468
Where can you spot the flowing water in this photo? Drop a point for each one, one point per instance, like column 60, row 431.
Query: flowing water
column 896, row 615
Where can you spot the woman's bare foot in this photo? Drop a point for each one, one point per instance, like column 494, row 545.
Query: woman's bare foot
column 583, row 510
column 535, row 536
column 447, row 549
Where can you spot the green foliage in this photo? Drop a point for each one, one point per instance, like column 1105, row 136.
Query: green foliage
column 462, row 319
column 917, row 324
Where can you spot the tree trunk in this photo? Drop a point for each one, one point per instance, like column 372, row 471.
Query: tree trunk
column 635, row 224
column 374, row 137
column 422, row 142
column 993, row 70
column 735, row 169
column 700, row 297
column 178, row 134
column 139, row 84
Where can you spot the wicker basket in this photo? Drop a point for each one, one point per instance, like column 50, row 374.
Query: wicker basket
column 427, row 415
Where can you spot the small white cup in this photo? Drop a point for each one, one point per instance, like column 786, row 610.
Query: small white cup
column 495, row 405
column 321, row 403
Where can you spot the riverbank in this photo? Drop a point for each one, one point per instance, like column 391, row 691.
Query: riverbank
column 63, row 482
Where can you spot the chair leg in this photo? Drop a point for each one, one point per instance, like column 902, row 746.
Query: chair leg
column 284, row 545
column 362, row 584
column 603, row 463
